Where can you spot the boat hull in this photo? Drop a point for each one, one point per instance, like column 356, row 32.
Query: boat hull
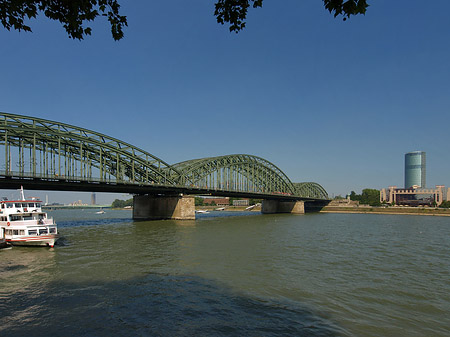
column 45, row 240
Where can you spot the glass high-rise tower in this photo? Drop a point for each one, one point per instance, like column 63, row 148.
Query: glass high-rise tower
column 415, row 169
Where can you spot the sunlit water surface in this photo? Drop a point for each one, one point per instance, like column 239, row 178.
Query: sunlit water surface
column 230, row 275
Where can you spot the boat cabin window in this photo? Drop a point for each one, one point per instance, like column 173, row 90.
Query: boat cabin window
column 18, row 205
column 3, row 205
column 52, row 230
column 43, row 231
column 15, row 232
column 3, row 218
column 31, row 204
column 15, row 217
column 24, row 205
column 32, row 232
column 9, row 205
column 21, row 232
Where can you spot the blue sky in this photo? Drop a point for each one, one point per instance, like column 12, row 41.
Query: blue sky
column 334, row 102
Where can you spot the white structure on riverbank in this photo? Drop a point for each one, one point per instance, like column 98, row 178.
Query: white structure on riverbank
column 415, row 196
column 415, row 192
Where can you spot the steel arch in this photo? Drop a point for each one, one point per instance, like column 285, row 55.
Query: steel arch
column 52, row 149
column 310, row 190
column 238, row 172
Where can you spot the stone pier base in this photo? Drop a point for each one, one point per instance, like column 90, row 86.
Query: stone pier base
column 276, row 206
column 149, row 207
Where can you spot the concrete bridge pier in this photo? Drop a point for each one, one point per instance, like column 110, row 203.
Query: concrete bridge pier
column 278, row 206
column 156, row 207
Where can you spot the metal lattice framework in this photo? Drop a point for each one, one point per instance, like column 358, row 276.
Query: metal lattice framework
column 35, row 148
column 310, row 190
column 41, row 148
column 238, row 172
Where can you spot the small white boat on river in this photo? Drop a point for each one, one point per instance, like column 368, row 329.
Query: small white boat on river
column 22, row 223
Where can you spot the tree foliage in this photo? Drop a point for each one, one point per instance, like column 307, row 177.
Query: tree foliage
column 122, row 203
column 75, row 14
column 234, row 12
column 369, row 196
column 198, row 201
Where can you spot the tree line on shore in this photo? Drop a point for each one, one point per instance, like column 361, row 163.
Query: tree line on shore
column 122, row 203
column 369, row 196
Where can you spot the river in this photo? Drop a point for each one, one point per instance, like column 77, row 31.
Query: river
column 231, row 274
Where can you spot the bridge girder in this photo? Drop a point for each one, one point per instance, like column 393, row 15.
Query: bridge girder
column 35, row 148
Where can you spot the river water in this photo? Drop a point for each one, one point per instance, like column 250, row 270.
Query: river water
column 231, row 274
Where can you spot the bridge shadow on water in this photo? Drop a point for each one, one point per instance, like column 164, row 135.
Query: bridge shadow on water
column 96, row 222
column 155, row 305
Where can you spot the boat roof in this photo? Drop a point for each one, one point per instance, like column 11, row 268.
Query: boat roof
column 5, row 201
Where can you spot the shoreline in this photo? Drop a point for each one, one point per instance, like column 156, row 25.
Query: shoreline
column 326, row 209
column 228, row 208
column 388, row 211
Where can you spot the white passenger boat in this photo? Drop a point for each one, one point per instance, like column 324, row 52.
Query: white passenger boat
column 22, row 223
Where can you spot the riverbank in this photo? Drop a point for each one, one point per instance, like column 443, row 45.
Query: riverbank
column 388, row 210
column 228, row 208
column 340, row 209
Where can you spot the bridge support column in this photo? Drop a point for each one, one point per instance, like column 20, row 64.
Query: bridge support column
column 149, row 207
column 277, row 206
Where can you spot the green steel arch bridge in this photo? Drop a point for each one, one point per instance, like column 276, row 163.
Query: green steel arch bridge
column 49, row 155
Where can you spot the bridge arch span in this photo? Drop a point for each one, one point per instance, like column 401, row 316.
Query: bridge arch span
column 237, row 172
column 49, row 153
column 37, row 147
column 310, row 190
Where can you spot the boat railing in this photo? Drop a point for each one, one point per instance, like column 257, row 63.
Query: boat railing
column 23, row 222
column 33, row 222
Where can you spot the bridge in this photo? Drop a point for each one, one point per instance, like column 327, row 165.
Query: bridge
column 49, row 155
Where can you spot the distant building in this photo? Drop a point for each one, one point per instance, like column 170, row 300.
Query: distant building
column 415, row 169
column 415, row 196
column 415, row 192
column 78, row 203
column 216, row 201
column 243, row 202
column 93, row 199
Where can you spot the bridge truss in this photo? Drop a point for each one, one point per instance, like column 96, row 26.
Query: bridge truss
column 38, row 149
